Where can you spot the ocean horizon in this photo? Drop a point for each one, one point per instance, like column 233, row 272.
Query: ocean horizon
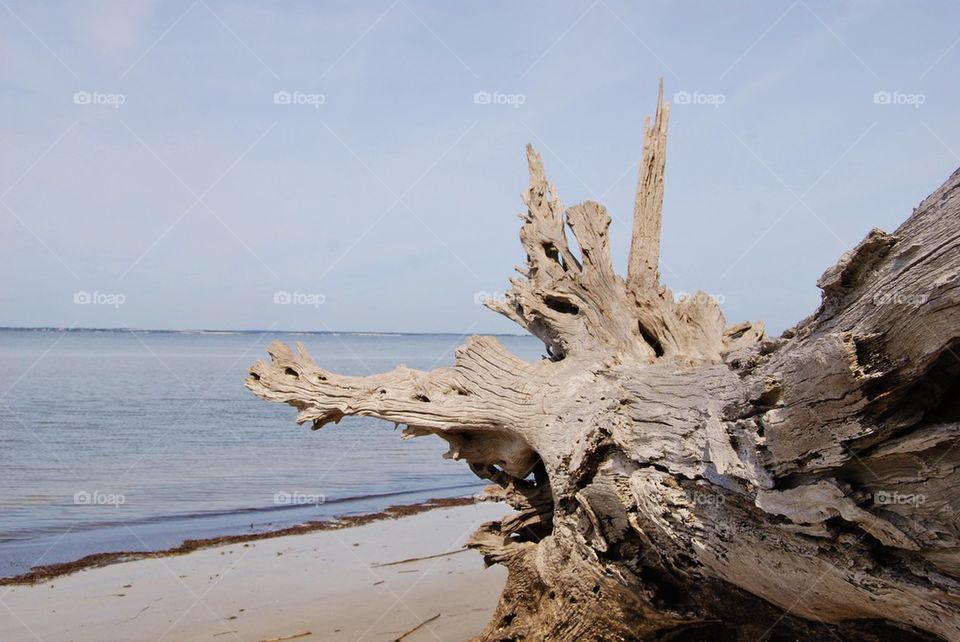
column 357, row 333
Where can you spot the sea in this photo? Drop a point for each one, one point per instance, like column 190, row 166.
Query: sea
column 134, row 440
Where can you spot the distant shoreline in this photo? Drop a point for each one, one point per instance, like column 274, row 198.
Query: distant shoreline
column 43, row 573
column 355, row 333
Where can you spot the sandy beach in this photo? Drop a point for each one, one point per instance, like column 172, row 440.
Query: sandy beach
column 384, row 580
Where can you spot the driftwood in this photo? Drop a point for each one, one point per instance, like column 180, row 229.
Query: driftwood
column 677, row 478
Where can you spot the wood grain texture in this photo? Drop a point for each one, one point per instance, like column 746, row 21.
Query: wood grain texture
column 677, row 478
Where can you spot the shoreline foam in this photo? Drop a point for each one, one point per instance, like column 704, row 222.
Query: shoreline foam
column 46, row 572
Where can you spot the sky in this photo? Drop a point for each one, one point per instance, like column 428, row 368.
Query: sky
column 358, row 166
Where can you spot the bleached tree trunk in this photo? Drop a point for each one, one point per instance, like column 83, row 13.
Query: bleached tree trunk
column 677, row 478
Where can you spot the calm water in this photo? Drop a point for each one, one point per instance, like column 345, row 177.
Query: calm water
column 121, row 441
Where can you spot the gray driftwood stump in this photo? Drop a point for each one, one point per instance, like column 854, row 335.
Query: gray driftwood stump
column 676, row 478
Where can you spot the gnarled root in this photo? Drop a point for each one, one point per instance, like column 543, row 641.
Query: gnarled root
column 676, row 478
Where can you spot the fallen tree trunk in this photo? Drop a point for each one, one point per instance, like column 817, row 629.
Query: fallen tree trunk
column 676, row 478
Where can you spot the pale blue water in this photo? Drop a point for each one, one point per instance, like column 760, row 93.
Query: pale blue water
column 158, row 429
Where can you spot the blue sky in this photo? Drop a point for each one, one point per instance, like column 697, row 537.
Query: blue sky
column 148, row 162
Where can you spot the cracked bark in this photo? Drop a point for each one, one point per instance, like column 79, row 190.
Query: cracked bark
column 676, row 478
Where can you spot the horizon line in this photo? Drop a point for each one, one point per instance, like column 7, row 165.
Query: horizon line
column 54, row 328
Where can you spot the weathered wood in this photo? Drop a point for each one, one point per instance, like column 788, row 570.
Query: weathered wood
column 678, row 478
column 643, row 264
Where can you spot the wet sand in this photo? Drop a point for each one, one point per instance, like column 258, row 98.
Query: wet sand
column 376, row 577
